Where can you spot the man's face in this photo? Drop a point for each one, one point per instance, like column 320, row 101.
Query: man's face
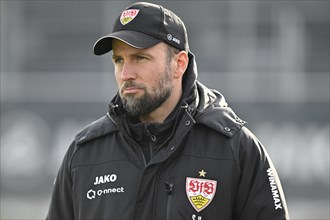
column 143, row 75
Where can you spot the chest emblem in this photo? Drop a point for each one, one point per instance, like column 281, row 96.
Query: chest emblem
column 200, row 192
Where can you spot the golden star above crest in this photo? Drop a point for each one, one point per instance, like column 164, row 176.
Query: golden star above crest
column 202, row 173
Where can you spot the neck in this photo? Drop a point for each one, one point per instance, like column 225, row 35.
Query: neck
column 163, row 111
column 157, row 116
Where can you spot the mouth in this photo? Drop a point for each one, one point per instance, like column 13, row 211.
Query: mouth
column 130, row 90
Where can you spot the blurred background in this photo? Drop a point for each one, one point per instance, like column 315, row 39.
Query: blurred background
column 270, row 59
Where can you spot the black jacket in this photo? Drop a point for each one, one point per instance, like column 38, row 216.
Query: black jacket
column 210, row 166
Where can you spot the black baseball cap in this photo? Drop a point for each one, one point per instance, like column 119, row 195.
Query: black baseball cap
column 143, row 25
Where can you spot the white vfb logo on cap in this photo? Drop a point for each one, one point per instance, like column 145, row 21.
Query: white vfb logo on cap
column 128, row 15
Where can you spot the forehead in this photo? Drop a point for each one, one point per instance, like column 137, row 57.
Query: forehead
column 120, row 46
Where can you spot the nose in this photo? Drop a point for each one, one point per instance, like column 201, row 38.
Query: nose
column 127, row 72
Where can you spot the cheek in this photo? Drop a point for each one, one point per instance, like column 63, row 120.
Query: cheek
column 118, row 78
column 154, row 78
column 119, row 81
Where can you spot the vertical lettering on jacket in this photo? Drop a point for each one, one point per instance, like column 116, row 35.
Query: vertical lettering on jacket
column 273, row 186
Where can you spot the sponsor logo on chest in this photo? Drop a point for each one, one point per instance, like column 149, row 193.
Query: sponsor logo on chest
column 104, row 191
column 105, row 179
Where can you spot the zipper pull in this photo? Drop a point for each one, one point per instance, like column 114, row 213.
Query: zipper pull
column 169, row 187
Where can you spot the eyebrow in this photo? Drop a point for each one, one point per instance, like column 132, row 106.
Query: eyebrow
column 139, row 53
column 114, row 56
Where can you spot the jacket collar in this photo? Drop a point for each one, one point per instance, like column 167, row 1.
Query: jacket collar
column 203, row 105
column 102, row 126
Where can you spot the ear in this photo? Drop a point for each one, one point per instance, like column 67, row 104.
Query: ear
column 181, row 65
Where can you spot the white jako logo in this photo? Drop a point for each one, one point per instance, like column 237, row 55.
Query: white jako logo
column 171, row 38
column 105, row 179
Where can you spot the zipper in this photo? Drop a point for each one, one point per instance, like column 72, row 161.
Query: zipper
column 169, row 189
column 125, row 131
column 151, row 142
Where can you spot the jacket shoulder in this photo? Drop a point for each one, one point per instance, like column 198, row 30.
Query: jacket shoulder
column 222, row 120
column 213, row 111
column 98, row 128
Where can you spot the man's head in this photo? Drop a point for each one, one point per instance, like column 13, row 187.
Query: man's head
column 149, row 80
column 150, row 55
column 143, row 25
column 144, row 77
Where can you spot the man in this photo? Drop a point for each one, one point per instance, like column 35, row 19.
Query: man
column 169, row 147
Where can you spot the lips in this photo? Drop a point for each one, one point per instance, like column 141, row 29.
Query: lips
column 131, row 88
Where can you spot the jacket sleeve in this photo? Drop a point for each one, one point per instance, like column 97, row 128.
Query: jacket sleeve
column 61, row 205
column 259, row 193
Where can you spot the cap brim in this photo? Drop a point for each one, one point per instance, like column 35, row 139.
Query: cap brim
column 133, row 38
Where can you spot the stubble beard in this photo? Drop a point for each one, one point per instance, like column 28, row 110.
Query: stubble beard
column 151, row 99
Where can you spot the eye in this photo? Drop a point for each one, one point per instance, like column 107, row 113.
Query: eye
column 118, row 60
column 140, row 58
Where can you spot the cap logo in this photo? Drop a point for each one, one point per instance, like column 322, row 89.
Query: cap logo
column 128, row 15
column 171, row 38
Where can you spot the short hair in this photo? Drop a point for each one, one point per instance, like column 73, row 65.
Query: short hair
column 171, row 51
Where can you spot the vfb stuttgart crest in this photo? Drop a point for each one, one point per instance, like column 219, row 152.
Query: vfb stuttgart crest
column 128, row 15
column 200, row 192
